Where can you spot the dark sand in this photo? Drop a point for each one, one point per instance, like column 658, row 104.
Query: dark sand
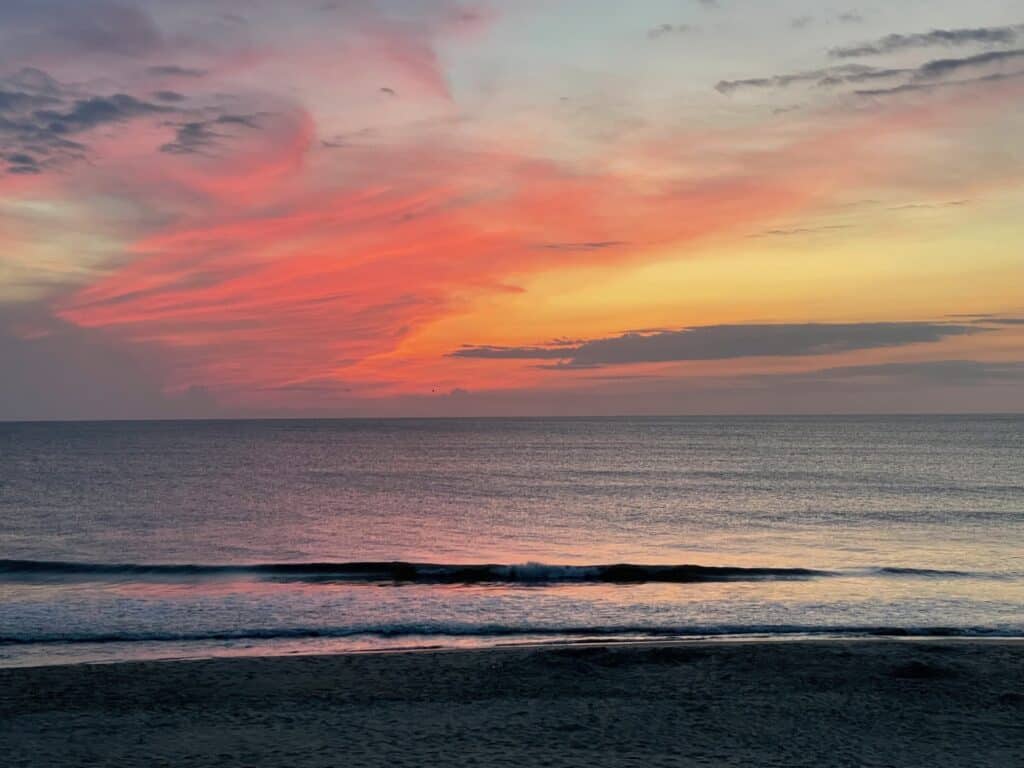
column 870, row 703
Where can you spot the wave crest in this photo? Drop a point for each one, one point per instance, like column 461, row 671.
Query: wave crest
column 403, row 571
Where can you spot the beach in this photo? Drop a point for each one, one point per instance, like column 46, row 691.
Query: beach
column 875, row 702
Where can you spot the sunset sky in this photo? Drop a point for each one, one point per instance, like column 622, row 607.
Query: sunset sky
column 428, row 207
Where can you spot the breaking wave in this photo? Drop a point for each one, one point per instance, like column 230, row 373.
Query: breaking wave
column 399, row 571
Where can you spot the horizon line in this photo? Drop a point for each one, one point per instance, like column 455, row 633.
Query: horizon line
column 537, row 417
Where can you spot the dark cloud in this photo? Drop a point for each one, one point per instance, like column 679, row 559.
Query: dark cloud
column 86, row 114
column 725, row 342
column 173, row 70
column 925, row 87
column 37, row 117
column 190, row 138
column 40, row 138
column 202, row 136
column 940, row 68
column 22, row 163
column 488, row 352
column 937, row 37
column 45, row 124
column 249, row 121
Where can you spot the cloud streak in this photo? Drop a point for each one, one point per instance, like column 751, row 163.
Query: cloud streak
column 1005, row 35
column 824, row 76
column 940, row 68
column 727, row 342
column 946, row 372
column 846, row 74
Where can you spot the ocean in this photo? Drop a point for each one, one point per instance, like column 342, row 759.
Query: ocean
column 150, row 540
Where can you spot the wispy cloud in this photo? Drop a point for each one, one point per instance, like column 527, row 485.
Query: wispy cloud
column 894, row 43
column 924, row 76
column 990, row 319
column 824, row 76
column 174, row 70
column 597, row 245
column 668, row 30
column 790, row 232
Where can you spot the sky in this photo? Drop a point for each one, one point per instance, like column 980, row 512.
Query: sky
column 238, row 208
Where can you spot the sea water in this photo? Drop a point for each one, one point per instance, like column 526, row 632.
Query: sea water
column 126, row 540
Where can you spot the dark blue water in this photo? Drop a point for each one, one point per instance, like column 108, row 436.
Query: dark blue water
column 143, row 540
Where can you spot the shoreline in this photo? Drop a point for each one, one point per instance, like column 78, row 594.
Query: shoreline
column 294, row 650
column 837, row 701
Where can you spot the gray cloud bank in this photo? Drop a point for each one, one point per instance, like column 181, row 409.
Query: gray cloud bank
column 939, row 386
column 726, row 342
column 65, row 372
column 937, row 371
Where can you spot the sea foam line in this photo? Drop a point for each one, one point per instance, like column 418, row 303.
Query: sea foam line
column 458, row 630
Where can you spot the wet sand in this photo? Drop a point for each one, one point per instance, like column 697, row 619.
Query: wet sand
column 808, row 703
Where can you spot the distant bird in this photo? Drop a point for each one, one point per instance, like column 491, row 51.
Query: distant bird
column 388, row 91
